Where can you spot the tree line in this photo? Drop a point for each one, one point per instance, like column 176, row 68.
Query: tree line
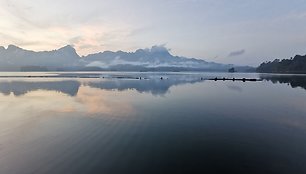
column 295, row 65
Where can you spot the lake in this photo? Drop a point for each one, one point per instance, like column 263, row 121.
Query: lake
column 116, row 122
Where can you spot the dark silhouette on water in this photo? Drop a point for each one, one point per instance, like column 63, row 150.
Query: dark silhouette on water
column 236, row 79
column 232, row 70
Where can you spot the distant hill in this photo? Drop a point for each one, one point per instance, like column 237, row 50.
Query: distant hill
column 157, row 58
column 296, row 65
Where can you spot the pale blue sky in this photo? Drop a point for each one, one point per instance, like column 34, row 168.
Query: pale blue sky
column 227, row 31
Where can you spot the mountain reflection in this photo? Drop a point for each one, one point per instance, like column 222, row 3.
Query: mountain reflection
column 19, row 88
column 294, row 80
column 154, row 86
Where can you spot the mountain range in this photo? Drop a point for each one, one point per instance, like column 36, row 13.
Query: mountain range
column 157, row 58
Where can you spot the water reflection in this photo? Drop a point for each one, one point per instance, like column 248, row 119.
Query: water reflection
column 235, row 88
column 19, row 88
column 293, row 80
column 101, row 126
column 155, row 86
column 93, row 101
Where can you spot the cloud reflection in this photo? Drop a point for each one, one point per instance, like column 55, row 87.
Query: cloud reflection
column 95, row 101
column 86, row 102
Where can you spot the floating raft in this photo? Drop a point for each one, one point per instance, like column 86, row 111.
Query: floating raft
column 235, row 79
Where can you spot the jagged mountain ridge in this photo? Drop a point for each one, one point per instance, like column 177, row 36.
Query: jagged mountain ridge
column 66, row 58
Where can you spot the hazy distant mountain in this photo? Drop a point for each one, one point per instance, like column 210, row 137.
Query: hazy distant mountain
column 156, row 58
column 16, row 58
column 293, row 65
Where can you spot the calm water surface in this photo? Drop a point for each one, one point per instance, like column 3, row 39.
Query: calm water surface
column 116, row 123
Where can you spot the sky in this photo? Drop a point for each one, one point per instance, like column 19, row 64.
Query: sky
column 242, row 32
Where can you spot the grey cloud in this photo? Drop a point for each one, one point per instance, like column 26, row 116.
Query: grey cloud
column 236, row 53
